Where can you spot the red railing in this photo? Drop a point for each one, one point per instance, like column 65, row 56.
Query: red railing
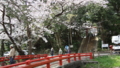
column 23, row 57
column 48, row 60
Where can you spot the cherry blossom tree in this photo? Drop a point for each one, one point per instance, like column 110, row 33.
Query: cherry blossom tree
column 24, row 21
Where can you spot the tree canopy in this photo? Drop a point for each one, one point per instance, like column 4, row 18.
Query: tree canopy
column 56, row 23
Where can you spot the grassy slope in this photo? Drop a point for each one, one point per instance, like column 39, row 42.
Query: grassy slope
column 108, row 61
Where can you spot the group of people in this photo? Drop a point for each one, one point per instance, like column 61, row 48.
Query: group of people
column 66, row 51
column 13, row 53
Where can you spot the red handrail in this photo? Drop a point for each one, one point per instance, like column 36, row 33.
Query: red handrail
column 23, row 57
column 48, row 60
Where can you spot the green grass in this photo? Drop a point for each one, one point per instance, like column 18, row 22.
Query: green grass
column 108, row 61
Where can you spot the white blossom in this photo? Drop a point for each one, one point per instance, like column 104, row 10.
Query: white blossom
column 40, row 11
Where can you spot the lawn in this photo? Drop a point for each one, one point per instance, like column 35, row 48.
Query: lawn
column 108, row 61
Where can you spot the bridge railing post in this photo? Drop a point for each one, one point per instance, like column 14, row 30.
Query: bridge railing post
column 79, row 56
column 28, row 62
column 48, row 64
column 68, row 58
column 91, row 55
column 74, row 57
column 60, row 61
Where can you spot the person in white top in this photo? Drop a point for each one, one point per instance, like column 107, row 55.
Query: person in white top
column 12, row 54
column 60, row 51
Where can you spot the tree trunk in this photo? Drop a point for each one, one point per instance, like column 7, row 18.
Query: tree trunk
column 29, row 40
column 58, row 39
column 2, row 47
column 6, row 31
column 70, row 36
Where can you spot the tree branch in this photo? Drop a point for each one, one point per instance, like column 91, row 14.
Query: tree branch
column 57, row 15
column 5, row 29
column 10, row 24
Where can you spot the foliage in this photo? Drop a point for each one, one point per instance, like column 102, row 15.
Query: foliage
column 110, row 21
column 57, row 23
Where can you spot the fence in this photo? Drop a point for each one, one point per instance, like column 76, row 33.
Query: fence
column 47, row 60
column 18, row 58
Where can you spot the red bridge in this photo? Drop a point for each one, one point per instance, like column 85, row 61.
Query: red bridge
column 44, row 59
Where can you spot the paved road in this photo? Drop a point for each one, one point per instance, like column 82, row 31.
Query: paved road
column 101, row 54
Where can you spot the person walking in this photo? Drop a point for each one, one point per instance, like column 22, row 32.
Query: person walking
column 60, row 51
column 52, row 51
column 12, row 54
column 111, row 48
column 69, row 51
